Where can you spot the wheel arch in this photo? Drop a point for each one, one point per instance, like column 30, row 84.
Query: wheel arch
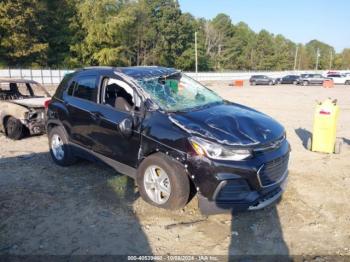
column 4, row 120
column 53, row 123
column 150, row 147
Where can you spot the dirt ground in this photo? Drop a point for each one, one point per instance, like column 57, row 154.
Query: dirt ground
column 90, row 209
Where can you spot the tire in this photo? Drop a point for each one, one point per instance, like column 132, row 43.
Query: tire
column 270, row 83
column 68, row 157
column 177, row 182
column 295, row 82
column 253, row 83
column 347, row 82
column 337, row 146
column 305, row 83
column 309, row 144
column 14, row 128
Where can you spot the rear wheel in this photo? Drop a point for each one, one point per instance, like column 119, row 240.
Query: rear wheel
column 270, row 83
column 347, row 82
column 253, row 83
column 60, row 150
column 163, row 182
column 305, row 83
column 14, row 128
column 295, row 82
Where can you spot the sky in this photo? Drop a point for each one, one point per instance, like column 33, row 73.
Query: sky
column 298, row 20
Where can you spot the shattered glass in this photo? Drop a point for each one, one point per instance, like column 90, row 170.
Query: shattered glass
column 178, row 92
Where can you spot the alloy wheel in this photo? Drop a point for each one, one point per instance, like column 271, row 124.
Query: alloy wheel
column 157, row 184
column 57, row 147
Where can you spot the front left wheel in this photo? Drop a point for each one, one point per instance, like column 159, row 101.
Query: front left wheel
column 14, row 128
column 162, row 182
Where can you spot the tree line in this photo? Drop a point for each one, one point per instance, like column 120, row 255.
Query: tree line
column 76, row 33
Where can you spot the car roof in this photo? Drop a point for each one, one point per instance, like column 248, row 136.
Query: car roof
column 17, row 80
column 137, row 72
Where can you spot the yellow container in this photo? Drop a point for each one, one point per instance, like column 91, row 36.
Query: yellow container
column 325, row 127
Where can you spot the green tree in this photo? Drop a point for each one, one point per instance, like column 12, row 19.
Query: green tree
column 59, row 32
column 105, row 33
column 263, row 51
column 284, row 53
column 342, row 60
column 315, row 47
column 22, row 35
column 237, row 53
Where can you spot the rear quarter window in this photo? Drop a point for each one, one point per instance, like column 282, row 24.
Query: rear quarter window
column 63, row 85
column 70, row 88
column 86, row 88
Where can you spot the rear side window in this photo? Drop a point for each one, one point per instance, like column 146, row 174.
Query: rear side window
column 70, row 89
column 63, row 85
column 85, row 88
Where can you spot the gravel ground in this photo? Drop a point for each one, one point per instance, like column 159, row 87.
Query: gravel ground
column 90, row 209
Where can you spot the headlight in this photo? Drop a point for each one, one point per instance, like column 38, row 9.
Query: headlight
column 216, row 151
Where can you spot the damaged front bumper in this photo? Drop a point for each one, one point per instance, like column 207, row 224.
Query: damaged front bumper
column 233, row 186
column 35, row 122
column 253, row 201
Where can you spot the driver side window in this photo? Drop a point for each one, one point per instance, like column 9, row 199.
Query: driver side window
column 119, row 95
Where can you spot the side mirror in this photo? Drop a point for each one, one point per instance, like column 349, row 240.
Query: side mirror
column 125, row 127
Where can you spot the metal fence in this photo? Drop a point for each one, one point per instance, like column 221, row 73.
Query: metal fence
column 43, row 76
column 54, row 77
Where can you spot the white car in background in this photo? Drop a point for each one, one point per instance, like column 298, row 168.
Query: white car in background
column 340, row 79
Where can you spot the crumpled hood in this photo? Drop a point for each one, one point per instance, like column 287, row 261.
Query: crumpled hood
column 31, row 102
column 230, row 124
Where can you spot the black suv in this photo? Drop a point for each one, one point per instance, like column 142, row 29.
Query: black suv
column 289, row 79
column 169, row 132
column 261, row 80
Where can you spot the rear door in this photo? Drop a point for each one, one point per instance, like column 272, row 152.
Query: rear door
column 337, row 79
column 265, row 80
column 286, row 80
column 110, row 140
column 318, row 79
column 81, row 101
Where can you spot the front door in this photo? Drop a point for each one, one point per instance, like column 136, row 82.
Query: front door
column 118, row 102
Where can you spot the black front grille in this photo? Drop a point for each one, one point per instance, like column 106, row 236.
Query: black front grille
column 272, row 172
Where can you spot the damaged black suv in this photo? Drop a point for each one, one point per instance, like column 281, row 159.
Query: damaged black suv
column 171, row 134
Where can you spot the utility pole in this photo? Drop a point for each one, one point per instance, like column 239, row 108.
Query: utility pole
column 330, row 59
column 219, row 57
column 295, row 58
column 317, row 58
column 196, row 51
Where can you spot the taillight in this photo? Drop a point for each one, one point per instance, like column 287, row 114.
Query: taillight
column 47, row 103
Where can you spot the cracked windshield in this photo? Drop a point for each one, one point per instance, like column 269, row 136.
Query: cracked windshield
column 178, row 92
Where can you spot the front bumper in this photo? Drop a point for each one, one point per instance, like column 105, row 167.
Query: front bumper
column 242, row 185
column 35, row 127
column 256, row 202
